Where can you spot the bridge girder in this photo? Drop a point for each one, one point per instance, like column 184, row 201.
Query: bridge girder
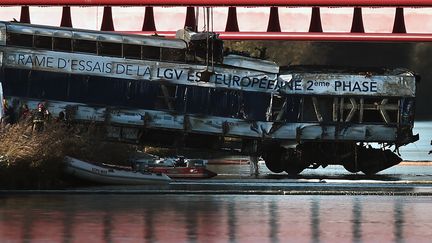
column 224, row 3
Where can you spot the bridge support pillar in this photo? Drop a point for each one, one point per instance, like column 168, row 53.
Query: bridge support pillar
column 399, row 22
column 66, row 20
column 149, row 23
column 274, row 24
column 25, row 15
column 190, row 21
column 232, row 24
column 107, row 20
column 357, row 23
column 315, row 24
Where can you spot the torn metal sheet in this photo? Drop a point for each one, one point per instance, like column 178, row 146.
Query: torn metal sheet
column 221, row 126
column 250, row 63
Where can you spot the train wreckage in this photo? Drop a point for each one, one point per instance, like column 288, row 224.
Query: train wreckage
column 187, row 92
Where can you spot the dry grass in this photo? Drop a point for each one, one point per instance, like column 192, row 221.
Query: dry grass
column 19, row 143
column 31, row 159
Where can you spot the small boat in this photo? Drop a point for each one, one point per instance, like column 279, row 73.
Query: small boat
column 230, row 160
column 178, row 167
column 111, row 174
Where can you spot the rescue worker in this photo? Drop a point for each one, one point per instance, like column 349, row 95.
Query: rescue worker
column 24, row 112
column 40, row 117
column 180, row 162
column 7, row 113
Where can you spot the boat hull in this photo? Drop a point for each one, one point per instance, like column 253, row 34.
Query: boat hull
column 106, row 175
column 184, row 172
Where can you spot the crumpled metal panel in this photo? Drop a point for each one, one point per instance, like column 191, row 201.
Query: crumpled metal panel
column 221, row 126
column 251, row 63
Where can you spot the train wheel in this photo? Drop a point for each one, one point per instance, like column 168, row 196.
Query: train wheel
column 379, row 160
column 350, row 167
column 274, row 164
column 273, row 160
column 294, row 164
column 294, row 170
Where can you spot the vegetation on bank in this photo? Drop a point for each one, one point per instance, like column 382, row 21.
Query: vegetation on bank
column 34, row 160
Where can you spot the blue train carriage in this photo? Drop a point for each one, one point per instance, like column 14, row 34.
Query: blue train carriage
column 175, row 92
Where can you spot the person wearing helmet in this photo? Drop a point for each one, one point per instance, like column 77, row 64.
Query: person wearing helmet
column 24, row 112
column 7, row 113
column 40, row 117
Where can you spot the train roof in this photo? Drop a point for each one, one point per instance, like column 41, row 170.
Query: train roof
column 92, row 35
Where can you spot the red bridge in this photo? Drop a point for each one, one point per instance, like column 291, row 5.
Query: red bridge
column 324, row 20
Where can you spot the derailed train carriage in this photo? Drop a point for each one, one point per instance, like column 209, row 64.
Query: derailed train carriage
column 187, row 92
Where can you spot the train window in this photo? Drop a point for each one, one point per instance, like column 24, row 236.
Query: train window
column 15, row 39
column 78, row 88
column 109, row 91
column 43, row 42
column 318, row 110
column 48, row 85
column 255, row 105
column 166, row 97
column 151, row 52
column 15, row 81
column 110, row 49
column 171, row 54
column 62, row 44
column 146, row 89
column 379, row 110
column 84, row 46
column 132, row 51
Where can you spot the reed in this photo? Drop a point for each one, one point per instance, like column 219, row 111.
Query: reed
column 30, row 159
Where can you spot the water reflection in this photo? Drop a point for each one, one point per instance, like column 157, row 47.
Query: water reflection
column 107, row 227
column 398, row 221
column 274, row 221
column 315, row 220
column 356, row 221
column 191, row 223
column 232, row 222
column 225, row 218
column 67, row 221
column 148, row 226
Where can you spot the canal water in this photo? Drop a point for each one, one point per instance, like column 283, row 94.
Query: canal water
column 418, row 151
column 214, row 218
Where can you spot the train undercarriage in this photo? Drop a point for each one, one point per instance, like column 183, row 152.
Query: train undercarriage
column 288, row 157
column 354, row 157
column 282, row 158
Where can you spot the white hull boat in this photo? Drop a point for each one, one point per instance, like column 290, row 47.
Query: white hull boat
column 108, row 174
